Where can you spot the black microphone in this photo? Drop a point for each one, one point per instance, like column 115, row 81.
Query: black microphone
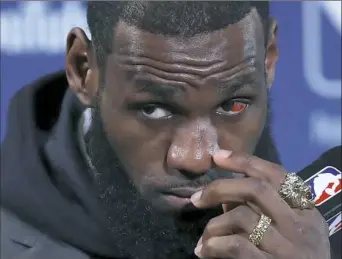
column 324, row 178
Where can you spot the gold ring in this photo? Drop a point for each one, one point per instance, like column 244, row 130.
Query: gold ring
column 260, row 230
column 296, row 193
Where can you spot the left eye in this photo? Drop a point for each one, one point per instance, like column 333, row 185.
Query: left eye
column 232, row 107
column 155, row 112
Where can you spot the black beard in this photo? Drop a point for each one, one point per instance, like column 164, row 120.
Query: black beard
column 139, row 231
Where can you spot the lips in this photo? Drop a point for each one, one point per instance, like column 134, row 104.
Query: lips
column 182, row 192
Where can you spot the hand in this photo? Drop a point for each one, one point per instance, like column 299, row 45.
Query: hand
column 293, row 234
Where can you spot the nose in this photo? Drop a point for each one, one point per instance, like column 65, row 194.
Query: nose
column 192, row 148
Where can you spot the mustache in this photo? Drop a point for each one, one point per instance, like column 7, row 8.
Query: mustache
column 206, row 179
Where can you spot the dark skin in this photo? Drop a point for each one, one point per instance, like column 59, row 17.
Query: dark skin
column 172, row 106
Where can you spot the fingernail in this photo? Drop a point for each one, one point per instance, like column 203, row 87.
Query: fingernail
column 198, row 251
column 195, row 198
column 199, row 242
column 223, row 153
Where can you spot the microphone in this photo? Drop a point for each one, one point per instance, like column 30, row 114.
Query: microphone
column 324, row 178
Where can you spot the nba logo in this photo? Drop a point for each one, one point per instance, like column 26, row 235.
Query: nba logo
column 334, row 224
column 325, row 184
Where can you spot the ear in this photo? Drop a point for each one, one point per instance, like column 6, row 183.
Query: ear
column 81, row 67
column 272, row 52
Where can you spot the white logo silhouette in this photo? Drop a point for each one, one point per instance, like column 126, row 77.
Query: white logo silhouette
column 322, row 182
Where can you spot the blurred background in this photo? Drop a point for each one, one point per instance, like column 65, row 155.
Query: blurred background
column 306, row 93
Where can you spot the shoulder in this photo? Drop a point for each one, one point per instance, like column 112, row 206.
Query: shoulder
column 20, row 240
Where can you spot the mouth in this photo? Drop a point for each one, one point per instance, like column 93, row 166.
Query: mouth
column 179, row 197
column 183, row 192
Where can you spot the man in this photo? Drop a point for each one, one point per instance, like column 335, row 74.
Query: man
column 162, row 146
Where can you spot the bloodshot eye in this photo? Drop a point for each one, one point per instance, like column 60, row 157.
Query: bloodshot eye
column 232, row 107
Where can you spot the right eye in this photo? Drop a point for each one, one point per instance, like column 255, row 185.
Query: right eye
column 155, row 112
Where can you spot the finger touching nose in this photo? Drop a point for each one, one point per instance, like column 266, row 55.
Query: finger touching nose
column 192, row 148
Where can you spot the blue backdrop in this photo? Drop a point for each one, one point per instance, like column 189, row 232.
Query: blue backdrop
column 306, row 93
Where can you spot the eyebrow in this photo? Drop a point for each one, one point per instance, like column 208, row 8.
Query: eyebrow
column 240, row 82
column 166, row 92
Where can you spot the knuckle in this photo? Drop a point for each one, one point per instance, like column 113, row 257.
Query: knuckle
column 235, row 244
column 210, row 245
column 233, row 247
column 242, row 211
column 276, row 167
column 244, row 161
column 210, row 228
column 214, row 185
column 212, row 191
column 280, row 168
column 208, row 248
column 251, row 160
column 298, row 226
column 239, row 215
column 277, row 181
column 258, row 187
column 303, row 229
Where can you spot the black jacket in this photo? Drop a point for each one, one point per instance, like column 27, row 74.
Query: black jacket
column 47, row 206
column 48, row 210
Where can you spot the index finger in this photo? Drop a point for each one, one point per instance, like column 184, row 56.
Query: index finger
column 251, row 166
column 250, row 189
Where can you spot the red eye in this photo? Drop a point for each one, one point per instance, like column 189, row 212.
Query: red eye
column 232, row 107
column 238, row 107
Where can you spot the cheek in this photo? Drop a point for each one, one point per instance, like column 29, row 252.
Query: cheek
column 140, row 149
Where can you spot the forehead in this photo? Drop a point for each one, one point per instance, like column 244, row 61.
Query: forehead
column 234, row 43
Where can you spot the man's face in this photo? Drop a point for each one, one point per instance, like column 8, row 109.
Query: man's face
column 165, row 105
column 168, row 103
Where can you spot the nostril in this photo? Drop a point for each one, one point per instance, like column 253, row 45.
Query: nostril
column 191, row 174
